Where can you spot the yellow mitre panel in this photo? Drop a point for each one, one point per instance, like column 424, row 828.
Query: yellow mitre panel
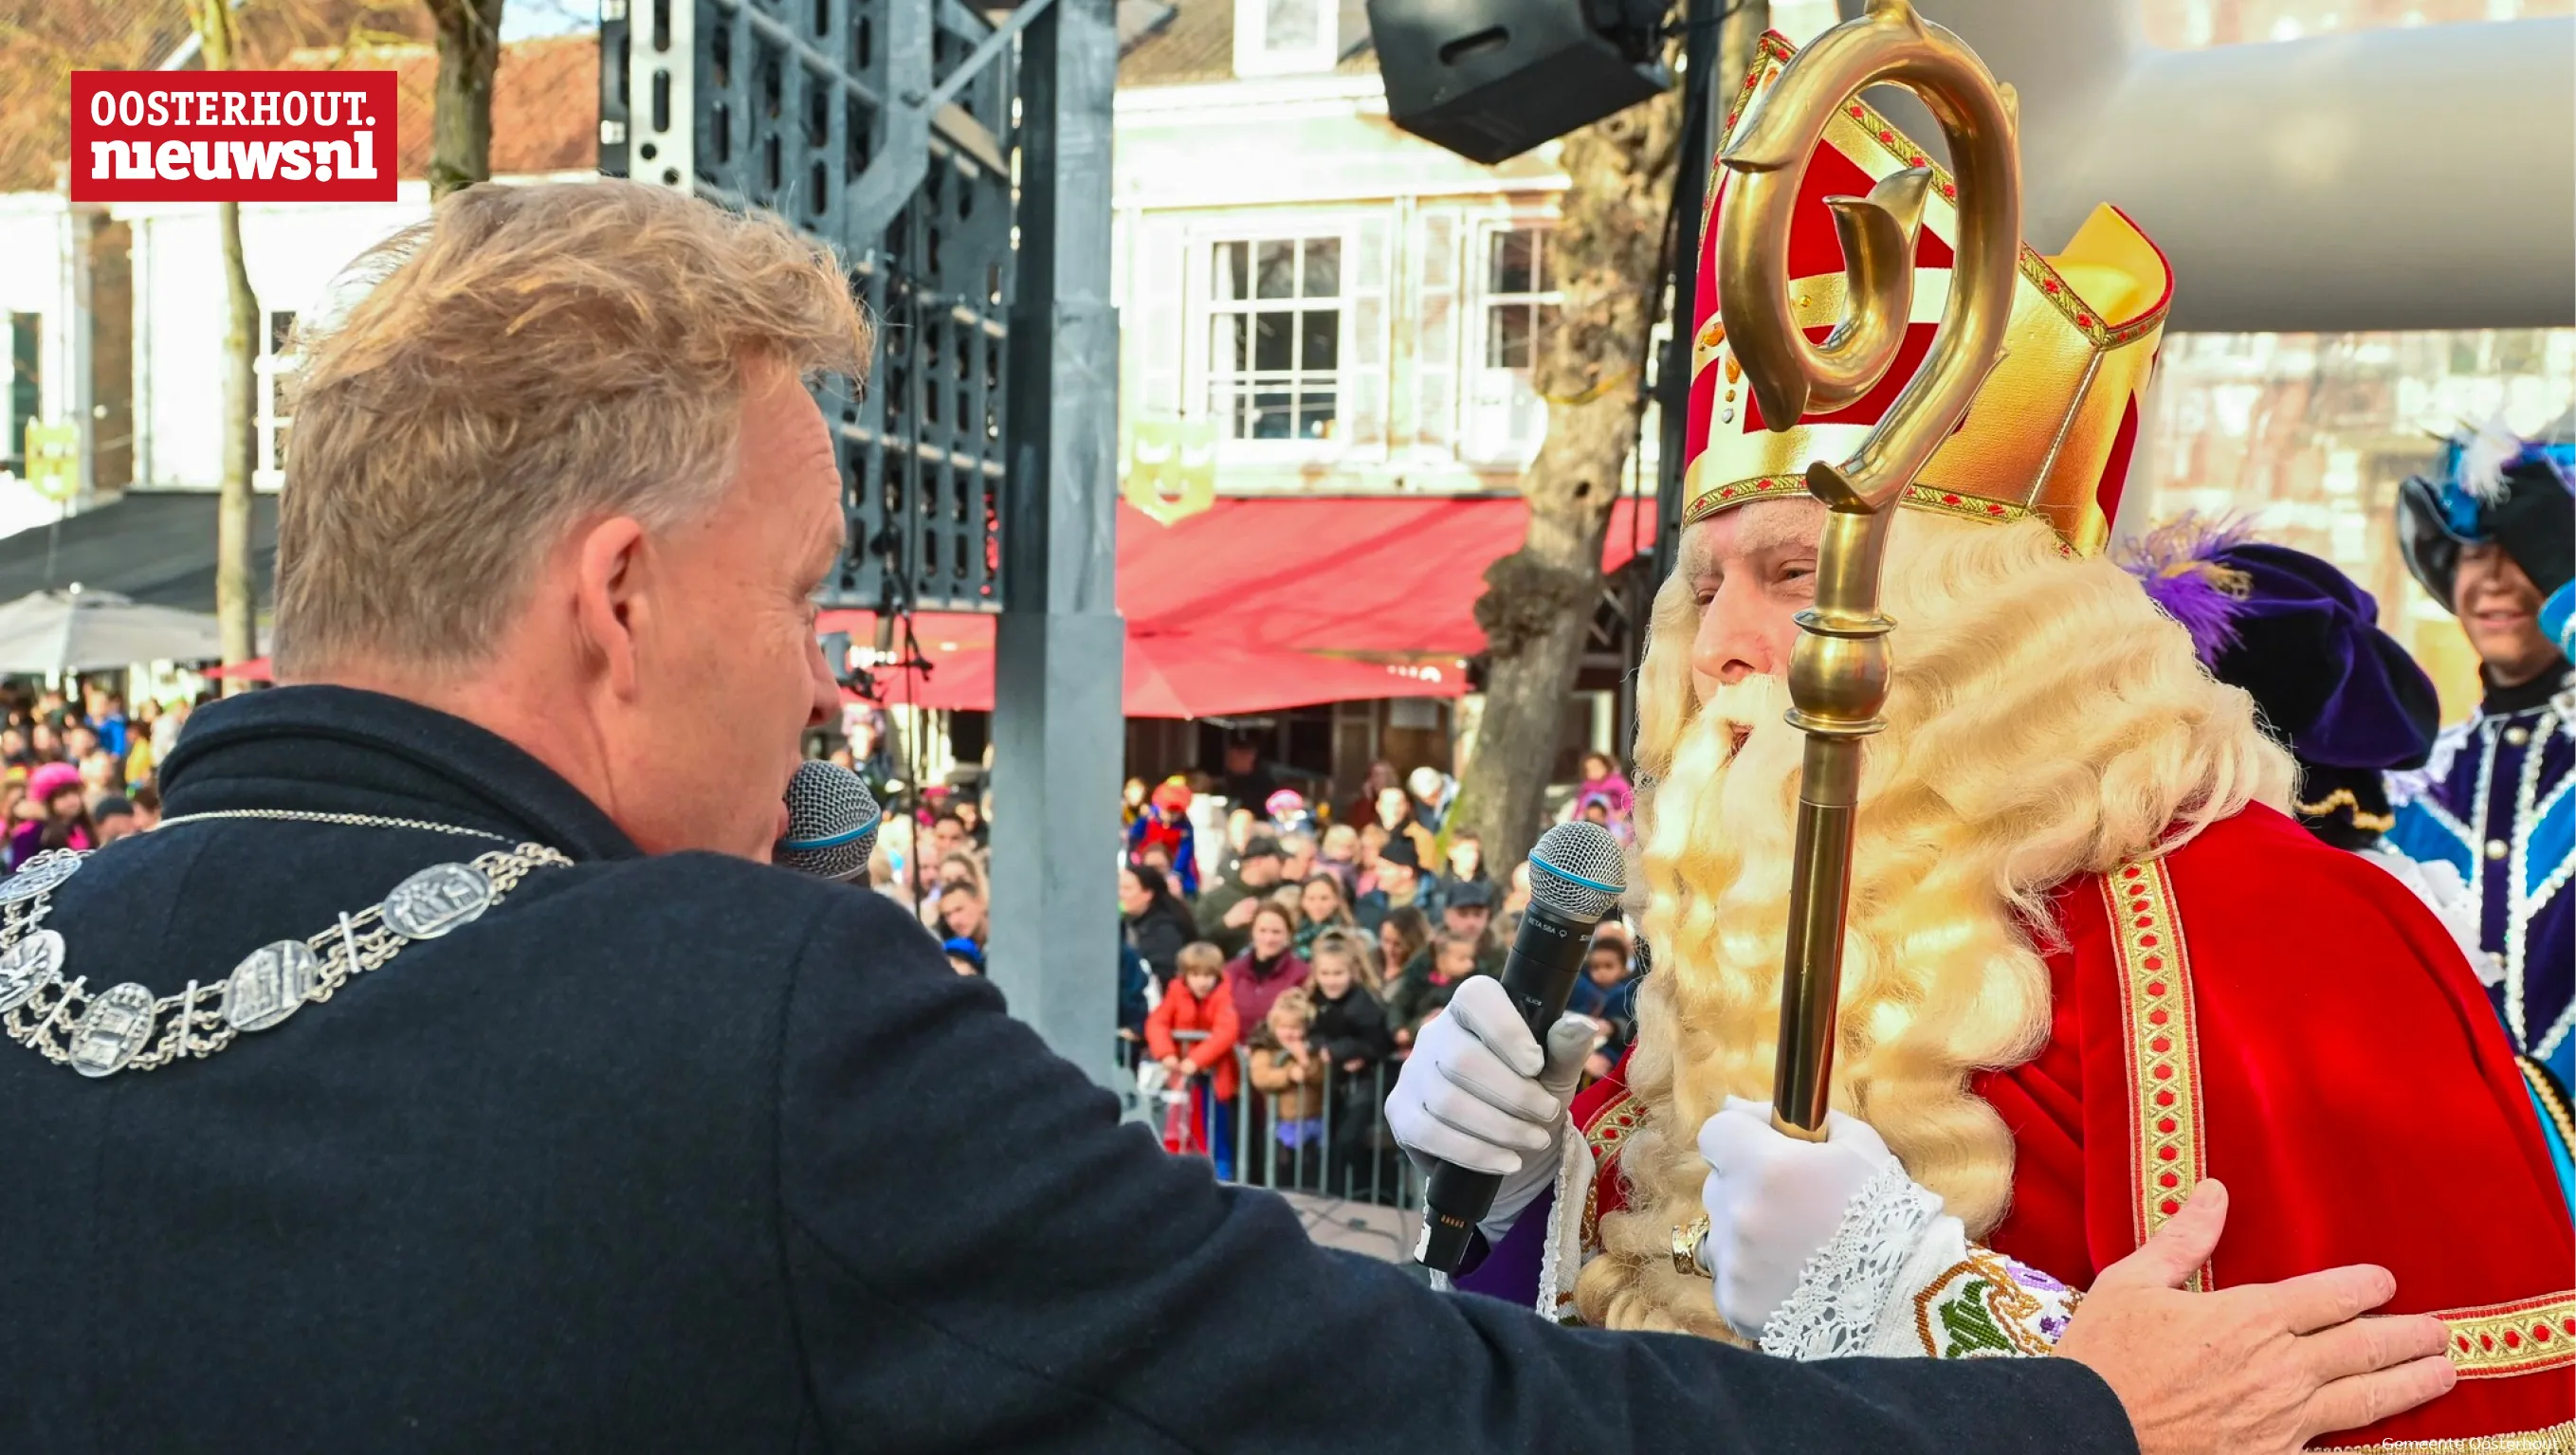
column 2052, row 430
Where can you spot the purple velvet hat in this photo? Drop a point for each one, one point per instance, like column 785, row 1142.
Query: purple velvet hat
column 2298, row 635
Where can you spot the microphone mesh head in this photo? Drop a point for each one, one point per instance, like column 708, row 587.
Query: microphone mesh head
column 1578, row 872
column 831, row 822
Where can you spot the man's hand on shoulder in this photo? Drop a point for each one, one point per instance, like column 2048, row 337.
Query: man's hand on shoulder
column 2253, row 1370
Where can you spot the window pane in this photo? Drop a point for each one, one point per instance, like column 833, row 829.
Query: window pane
column 1278, row 265
column 1291, row 25
column 281, row 327
column 1514, row 268
column 1225, row 343
column 1322, row 332
column 1507, row 337
column 1271, row 341
column 1315, row 415
column 1323, row 267
column 1230, row 270
column 1270, row 419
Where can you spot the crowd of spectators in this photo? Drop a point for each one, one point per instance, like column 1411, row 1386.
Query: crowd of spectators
column 1278, row 957
column 1292, row 963
column 77, row 775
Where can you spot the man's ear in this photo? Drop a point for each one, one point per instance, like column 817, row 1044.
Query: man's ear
column 612, row 572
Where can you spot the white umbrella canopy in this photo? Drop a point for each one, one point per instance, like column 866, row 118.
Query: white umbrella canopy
column 94, row 631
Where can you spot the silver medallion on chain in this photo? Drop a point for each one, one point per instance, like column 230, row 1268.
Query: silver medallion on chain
column 269, row 984
column 114, row 1027
column 45, row 871
column 26, row 966
column 436, row 900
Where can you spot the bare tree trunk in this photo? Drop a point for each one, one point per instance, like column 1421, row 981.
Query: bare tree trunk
column 1607, row 250
column 469, row 51
column 236, row 588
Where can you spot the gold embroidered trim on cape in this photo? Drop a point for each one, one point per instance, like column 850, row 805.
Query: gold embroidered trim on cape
column 1611, row 1125
column 2160, row 1041
column 2556, row 1440
column 2525, row 1336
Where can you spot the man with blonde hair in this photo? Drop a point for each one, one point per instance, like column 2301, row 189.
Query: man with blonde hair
column 477, row 1086
column 2090, row 965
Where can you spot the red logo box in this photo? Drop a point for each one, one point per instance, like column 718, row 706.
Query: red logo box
column 232, row 136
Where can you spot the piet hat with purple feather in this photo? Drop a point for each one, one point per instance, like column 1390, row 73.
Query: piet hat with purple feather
column 2304, row 640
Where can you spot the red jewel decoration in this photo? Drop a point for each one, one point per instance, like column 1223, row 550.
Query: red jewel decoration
column 2540, row 1333
column 2160, row 1045
column 2165, row 1124
column 1856, row 112
column 2147, row 942
column 2164, row 1073
column 2084, row 320
column 2050, row 284
column 2464, row 1342
column 2129, row 873
column 1948, row 190
column 2486, row 1341
column 2567, row 1327
column 1915, row 160
column 2155, row 1017
column 2155, row 962
column 2146, row 921
column 2170, row 1207
column 1949, row 500
column 1886, row 136
column 2164, row 1154
column 2167, row 1179
column 2164, row 1098
column 2512, row 1340
column 1994, row 510
column 2155, row 987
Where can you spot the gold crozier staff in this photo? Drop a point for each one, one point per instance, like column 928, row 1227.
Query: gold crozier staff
column 1838, row 672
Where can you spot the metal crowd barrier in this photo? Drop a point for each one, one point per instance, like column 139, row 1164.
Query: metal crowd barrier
column 1348, row 1152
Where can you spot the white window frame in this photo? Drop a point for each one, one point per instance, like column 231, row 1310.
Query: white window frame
column 1201, row 376
column 1254, row 55
column 268, row 471
column 1489, row 389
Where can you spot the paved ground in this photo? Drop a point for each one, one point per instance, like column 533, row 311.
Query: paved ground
column 1360, row 1227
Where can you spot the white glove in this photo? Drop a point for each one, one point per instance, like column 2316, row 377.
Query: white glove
column 1478, row 1092
column 1774, row 1202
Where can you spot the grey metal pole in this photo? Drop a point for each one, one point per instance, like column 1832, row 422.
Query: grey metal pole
column 1058, row 735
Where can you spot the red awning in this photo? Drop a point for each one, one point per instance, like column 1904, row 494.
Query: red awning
column 1378, row 575
column 1389, row 574
column 1186, row 675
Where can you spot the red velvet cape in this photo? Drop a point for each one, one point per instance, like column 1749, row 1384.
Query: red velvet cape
column 2284, row 1016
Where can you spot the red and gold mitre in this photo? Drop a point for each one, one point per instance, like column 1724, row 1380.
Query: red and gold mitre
column 2051, row 431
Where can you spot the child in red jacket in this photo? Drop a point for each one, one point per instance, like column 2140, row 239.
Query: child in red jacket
column 1193, row 1034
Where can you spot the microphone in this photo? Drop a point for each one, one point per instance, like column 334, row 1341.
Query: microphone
column 1576, row 877
column 831, row 822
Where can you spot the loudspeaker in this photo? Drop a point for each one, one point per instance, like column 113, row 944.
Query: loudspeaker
column 1489, row 79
